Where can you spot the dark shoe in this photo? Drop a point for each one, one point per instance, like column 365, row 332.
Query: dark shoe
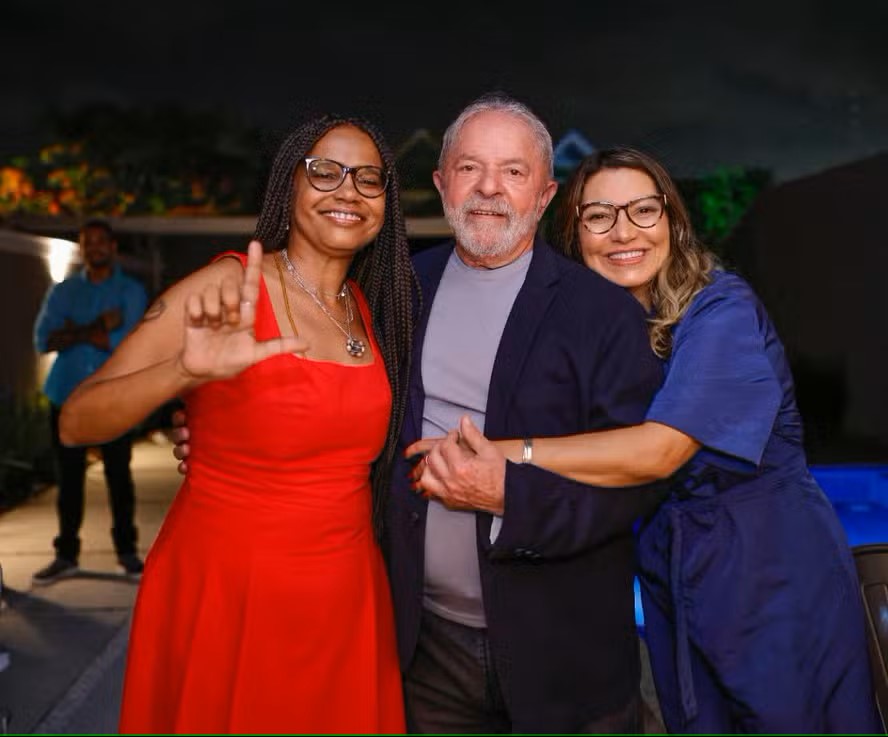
column 132, row 564
column 59, row 568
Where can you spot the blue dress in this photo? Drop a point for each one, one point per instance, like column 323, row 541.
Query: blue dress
column 751, row 603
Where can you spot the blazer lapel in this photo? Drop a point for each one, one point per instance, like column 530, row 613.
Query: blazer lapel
column 528, row 312
column 429, row 270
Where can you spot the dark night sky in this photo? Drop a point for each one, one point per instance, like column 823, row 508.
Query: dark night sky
column 791, row 85
column 794, row 86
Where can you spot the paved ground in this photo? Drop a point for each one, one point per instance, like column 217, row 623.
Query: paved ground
column 68, row 640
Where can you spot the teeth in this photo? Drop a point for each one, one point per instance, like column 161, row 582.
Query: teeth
column 484, row 212
column 625, row 255
column 343, row 215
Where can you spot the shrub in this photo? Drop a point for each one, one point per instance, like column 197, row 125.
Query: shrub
column 26, row 458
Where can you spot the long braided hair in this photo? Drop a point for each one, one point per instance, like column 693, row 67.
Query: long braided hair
column 382, row 269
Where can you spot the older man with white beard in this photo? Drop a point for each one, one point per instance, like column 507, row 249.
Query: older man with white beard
column 518, row 617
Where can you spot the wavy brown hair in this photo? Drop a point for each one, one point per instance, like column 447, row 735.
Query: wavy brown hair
column 687, row 267
column 382, row 269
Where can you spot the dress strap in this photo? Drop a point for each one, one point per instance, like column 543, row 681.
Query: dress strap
column 242, row 257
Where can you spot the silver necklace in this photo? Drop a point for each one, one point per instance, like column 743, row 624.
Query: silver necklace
column 354, row 346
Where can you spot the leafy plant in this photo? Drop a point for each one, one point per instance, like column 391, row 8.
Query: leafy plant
column 26, row 458
column 106, row 160
column 719, row 201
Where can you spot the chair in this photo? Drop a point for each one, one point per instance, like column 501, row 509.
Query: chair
column 872, row 570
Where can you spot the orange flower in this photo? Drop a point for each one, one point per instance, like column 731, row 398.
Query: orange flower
column 15, row 184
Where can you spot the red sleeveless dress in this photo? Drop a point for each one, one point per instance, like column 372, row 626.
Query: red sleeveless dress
column 264, row 605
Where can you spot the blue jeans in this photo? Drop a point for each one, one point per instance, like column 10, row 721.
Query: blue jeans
column 451, row 686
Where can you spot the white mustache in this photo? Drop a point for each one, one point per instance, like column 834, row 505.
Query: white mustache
column 496, row 206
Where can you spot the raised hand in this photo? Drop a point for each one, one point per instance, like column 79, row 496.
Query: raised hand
column 219, row 339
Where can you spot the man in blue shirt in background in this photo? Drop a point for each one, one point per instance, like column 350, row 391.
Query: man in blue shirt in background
column 84, row 318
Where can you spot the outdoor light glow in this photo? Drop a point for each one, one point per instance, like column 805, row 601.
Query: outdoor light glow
column 61, row 254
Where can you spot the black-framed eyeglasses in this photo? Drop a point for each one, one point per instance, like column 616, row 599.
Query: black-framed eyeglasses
column 600, row 217
column 326, row 175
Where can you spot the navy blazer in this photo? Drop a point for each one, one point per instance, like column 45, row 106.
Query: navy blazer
column 558, row 580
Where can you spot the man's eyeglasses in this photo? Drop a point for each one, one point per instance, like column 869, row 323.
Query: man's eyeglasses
column 326, row 175
column 600, row 217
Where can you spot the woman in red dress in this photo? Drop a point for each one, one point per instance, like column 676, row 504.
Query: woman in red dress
column 264, row 606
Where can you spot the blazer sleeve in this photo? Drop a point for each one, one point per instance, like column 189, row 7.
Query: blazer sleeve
column 550, row 516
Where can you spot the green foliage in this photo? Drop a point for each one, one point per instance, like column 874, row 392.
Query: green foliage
column 26, row 458
column 718, row 202
column 112, row 161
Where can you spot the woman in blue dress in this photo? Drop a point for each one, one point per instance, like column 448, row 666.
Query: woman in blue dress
column 751, row 602
column 752, row 610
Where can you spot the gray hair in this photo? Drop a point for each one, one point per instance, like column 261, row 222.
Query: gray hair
column 501, row 103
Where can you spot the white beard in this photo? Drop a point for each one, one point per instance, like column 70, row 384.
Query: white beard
column 489, row 240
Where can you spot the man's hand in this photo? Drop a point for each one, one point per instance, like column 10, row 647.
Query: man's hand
column 71, row 334
column 463, row 470
column 180, row 436
column 97, row 334
column 110, row 319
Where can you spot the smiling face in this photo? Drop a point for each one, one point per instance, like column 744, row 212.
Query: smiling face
column 341, row 222
column 627, row 254
column 494, row 187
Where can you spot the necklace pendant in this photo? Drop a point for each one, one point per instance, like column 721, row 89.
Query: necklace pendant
column 355, row 347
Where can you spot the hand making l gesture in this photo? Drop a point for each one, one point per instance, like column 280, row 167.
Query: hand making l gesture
column 219, row 340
